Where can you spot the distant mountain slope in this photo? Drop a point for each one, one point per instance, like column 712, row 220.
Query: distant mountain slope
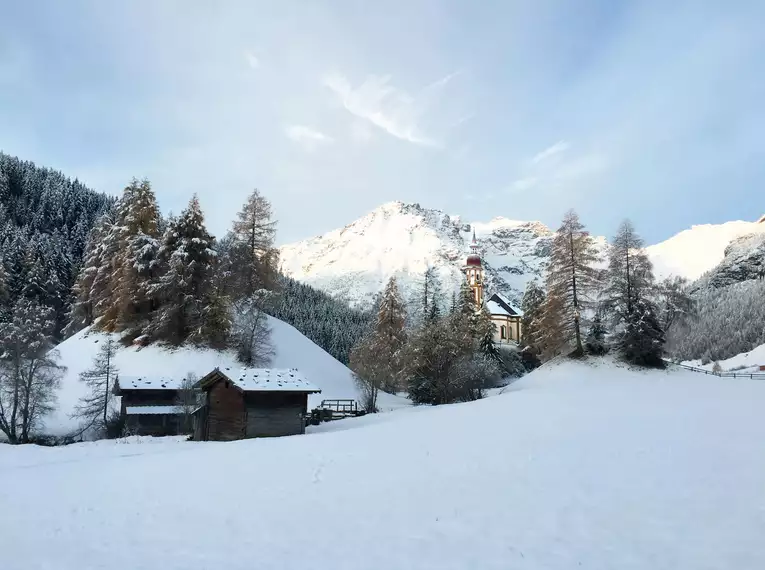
column 697, row 250
column 401, row 239
column 293, row 350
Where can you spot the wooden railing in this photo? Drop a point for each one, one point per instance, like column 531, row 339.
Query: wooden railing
column 733, row 374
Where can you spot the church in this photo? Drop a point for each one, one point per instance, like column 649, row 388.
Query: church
column 505, row 316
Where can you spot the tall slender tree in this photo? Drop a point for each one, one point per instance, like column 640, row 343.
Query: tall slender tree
column 254, row 260
column 639, row 336
column 136, row 267
column 532, row 306
column 93, row 408
column 571, row 277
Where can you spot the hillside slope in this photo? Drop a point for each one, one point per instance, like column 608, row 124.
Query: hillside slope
column 574, row 467
column 401, row 239
column 293, row 350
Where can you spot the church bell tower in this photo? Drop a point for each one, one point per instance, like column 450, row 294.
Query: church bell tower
column 474, row 272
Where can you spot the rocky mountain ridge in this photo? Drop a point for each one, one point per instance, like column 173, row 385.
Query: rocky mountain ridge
column 354, row 262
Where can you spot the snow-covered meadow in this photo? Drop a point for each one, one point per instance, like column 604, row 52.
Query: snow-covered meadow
column 573, row 466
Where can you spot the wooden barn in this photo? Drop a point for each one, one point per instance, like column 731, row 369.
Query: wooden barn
column 149, row 405
column 252, row 403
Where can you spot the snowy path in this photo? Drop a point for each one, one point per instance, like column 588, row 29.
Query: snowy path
column 574, row 466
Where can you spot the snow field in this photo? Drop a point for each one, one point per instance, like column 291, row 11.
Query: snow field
column 575, row 465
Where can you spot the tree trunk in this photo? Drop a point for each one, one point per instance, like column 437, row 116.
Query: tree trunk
column 577, row 333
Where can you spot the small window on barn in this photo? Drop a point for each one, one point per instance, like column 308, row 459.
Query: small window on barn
column 502, row 332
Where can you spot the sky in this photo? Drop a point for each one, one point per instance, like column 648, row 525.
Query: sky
column 650, row 110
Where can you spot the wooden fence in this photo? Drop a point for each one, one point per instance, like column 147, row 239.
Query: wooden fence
column 734, row 374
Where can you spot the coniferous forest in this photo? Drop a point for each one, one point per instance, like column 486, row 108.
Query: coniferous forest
column 45, row 220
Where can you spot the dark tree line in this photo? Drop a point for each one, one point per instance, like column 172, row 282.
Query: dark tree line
column 45, row 220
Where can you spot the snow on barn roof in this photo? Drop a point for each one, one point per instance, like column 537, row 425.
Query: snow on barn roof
column 498, row 304
column 151, row 410
column 149, row 383
column 269, row 380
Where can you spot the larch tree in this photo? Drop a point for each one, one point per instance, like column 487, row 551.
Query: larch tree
column 93, row 408
column 29, row 372
column 571, row 278
column 136, row 268
column 254, row 259
column 376, row 360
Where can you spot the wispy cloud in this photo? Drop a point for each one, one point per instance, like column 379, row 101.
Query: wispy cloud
column 551, row 151
column 252, row 60
column 307, row 137
column 387, row 107
column 553, row 171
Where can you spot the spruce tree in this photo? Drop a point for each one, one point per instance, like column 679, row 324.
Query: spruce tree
column 629, row 275
column 639, row 336
column 571, row 277
column 595, row 343
column 642, row 340
column 532, row 306
column 184, row 290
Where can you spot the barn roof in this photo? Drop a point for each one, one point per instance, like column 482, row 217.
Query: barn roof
column 149, row 383
column 498, row 304
column 262, row 380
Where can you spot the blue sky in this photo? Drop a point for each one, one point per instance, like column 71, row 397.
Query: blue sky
column 653, row 110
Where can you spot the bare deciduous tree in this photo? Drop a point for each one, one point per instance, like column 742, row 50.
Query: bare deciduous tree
column 93, row 408
column 29, row 373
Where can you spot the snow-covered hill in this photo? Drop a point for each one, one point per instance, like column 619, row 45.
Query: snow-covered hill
column 293, row 350
column 401, row 239
column 574, row 466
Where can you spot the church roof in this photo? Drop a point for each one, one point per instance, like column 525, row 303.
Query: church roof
column 498, row 304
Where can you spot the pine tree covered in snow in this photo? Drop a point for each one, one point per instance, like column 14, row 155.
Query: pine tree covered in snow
column 595, row 342
column 642, row 339
column 571, row 277
column 187, row 258
column 627, row 297
column 531, row 324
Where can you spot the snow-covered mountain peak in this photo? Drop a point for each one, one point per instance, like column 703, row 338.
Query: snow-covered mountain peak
column 404, row 239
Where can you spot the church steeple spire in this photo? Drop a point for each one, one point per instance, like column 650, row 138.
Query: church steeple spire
column 474, row 271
